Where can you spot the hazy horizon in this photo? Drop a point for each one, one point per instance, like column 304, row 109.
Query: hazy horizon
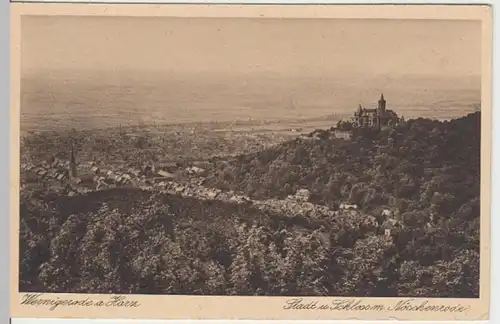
column 96, row 102
column 94, row 71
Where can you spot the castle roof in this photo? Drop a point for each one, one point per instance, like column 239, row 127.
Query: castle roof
column 365, row 111
column 391, row 114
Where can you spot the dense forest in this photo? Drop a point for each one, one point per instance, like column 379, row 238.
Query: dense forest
column 426, row 166
column 132, row 241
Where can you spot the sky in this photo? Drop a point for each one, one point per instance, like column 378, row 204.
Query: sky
column 284, row 47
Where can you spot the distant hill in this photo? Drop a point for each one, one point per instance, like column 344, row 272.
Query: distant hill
column 423, row 164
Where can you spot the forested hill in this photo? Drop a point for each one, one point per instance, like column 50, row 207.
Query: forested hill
column 422, row 165
column 133, row 241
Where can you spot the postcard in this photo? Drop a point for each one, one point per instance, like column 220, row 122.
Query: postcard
column 250, row 161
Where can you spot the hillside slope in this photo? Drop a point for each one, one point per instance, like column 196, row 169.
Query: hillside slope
column 421, row 165
column 134, row 241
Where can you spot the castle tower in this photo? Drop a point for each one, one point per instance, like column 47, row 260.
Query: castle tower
column 72, row 163
column 381, row 104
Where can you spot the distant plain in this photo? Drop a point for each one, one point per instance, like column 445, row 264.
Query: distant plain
column 58, row 101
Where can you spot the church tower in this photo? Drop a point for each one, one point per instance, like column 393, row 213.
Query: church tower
column 381, row 104
column 72, row 163
column 358, row 115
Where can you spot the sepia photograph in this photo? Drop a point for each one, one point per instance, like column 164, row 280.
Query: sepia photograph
column 252, row 156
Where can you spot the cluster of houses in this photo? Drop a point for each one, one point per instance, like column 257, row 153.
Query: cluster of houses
column 108, row 177
column 42, row 172
column 88, row 174
column 299, row 202
column 302, row 195
column 331, row 134
column 291, row 207
column 55, row 170
column 199, row 191
column 149, row 178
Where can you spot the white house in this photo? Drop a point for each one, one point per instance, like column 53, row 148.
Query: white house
column 348, row 206
column 386, row 212
column 302, row 195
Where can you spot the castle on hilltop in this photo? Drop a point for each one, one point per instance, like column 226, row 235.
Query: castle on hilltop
column 379, row 117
